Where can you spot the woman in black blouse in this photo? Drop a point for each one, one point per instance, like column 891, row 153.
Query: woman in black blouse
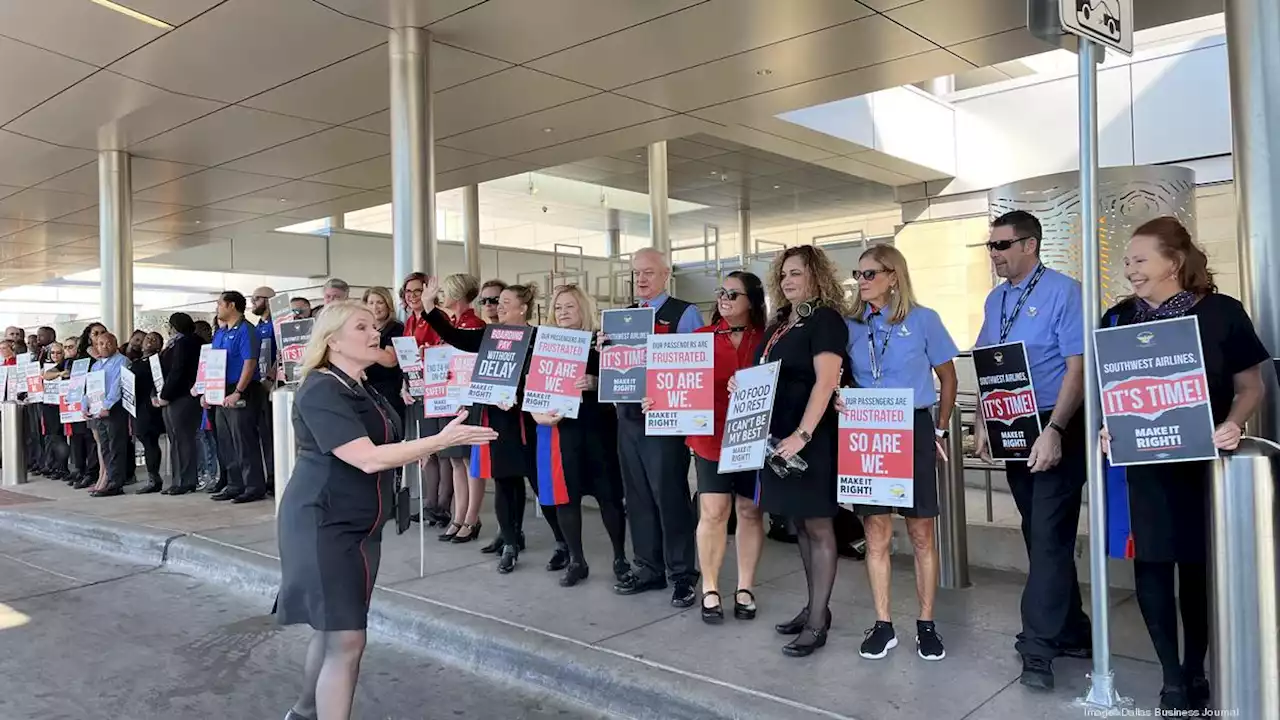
column 337, row 500
column 148, row 425
column 1169, row 503
column 809, row 337
column 385, row 374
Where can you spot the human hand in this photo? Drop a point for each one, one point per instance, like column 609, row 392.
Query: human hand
column 601, row 341
column 430, row 291
column 504, row 407
column 839, row 402
column 790, row 446
column 733, row 384
column 405, row 396
column 586, row 382
column 981, row 445
column 1046, row 453
column 646, row 404
column 1227, row 436
column 204, row 403
column 457, row 432
column 231, row 400
column 941, row 451
column 1104, row 441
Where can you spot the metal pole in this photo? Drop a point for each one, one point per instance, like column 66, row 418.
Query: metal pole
column 1246, row 650
column 471, row 246
column 13, row 444
column 744, row 233
column 658, row 217
column 613, row 233
column 953, row 527
column 1101, row 691
column 284, row 445
column 1253, row 56
column 115, row 240
column 413, row 196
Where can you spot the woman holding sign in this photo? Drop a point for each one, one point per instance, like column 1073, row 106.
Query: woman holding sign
column 436, row 487
column 1168, row 503
column 896, row 343
column 574, row 454
column 808, row 336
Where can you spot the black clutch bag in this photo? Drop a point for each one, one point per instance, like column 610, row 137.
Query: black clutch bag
column 402, row 502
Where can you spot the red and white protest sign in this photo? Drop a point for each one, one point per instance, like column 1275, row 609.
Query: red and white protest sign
column 410, row 359
column 559, row 361
column 679, row 374
column 875, row 464
column 435, row 382
column 461, row 365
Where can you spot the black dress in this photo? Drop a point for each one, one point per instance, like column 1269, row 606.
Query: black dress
column 813, row 492
column 577, row 456
column 331, row 514
column 388, row 380
column 1169, row 503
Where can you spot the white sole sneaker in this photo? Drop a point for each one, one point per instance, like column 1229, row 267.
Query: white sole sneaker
column 934, row 658
column 880, row 656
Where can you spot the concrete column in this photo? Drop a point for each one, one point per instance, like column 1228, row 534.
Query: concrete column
column 115, row 241
column 1253, row 54
column 658, row 217
column 471, row 215
column 413, row 184
column 941, row 86
column 613, row 233
column 745, row 246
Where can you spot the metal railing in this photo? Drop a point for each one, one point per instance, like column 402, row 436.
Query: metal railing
column 953, row 528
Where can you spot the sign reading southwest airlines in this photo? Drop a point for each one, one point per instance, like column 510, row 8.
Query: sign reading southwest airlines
column 1008, row 399
column 622, row 361
column 1155, row 393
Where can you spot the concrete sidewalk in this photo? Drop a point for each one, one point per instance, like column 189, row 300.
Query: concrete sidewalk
column 634, row 657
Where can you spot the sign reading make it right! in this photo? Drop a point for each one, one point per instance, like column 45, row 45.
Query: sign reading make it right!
column 622, row 361
column 1008, row 399
column 499, row 364
column 875, row 461
column 1155, row 393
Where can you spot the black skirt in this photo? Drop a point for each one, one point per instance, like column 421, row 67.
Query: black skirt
column 1169, row 509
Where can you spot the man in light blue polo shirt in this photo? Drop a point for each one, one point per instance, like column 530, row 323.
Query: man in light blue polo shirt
column 114, row 418
column 237, row 418
column 1042, row 309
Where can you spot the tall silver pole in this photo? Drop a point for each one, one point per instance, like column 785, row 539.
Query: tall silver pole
column 613, row 233
column 471, row 214
column 744, row 233
column 13, row 442
column 115, row 240
column 952, row 536
column 658, row 216
column 1102, row 682
column 413, row 184
column 1253, row 56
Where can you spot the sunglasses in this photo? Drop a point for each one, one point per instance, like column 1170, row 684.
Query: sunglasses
column 1002, row 245
column 489, row 301
column 868, row 275
column 730, row 295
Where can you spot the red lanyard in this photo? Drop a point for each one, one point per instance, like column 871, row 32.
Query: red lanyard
column 777, row 335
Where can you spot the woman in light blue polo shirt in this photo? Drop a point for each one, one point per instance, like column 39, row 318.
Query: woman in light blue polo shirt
column 896, row 343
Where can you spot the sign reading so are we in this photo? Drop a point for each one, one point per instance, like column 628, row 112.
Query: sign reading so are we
column 679, row 374
column 875, row 462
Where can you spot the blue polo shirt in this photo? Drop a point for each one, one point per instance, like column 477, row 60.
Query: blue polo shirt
column 241, row 345
column 690, row 321
column 112, row 367
column 905, row 353
column 264, row 334
column 1050, row 325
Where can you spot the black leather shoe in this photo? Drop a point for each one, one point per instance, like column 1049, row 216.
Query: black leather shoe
column 148, row 489
column 107, row 492
column 1198, row 693
column 684, row 595
column 493, row 547
column 794, row 625
column 450, row 531
column 84, row 483
column 621, row 568
column 633, row 585
column 507, row 562
column 224, row 496
column 295, row 715
column 1174, row 697
column 215, row 488
column 806, row 643
column 741, row 610
column 574, row 574
column 520, row 541
column 1083, row 652
column 712, row 614
column 1037, row 673
column 559, row 559
column 243, row 498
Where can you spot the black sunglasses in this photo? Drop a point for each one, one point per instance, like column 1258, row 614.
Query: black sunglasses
column 730, row 295
column 1002, row 245
column 489, row 300
column 868, row 275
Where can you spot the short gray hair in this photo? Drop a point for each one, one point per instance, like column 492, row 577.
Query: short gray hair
column 338, row 284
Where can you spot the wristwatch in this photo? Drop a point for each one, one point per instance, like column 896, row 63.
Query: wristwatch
column 942, row 433
column 1055, row 426
column 804, row 436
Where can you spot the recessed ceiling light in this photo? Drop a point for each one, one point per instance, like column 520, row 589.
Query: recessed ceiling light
column 715, row 173
column 764, row 72
column 134, row 14
column 284, row 200
column 775, row 187
column 547, row 129
column 197, row 222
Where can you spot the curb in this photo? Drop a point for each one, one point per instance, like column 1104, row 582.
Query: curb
column 599, row 678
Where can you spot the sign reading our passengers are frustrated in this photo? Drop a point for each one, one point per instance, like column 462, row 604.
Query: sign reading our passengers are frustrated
column 875, row 463
column 499, row 364
column 1007, row 397
column 746, row 424
column 679, row 376
column 559, row 361
column 1155, row 393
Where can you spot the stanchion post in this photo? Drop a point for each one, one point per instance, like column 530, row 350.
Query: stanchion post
column 13, row 446
column 283, row 443
column 953, row 521
column 1246, row 647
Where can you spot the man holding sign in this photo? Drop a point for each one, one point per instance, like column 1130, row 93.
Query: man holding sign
column 237, row 414
column 114, row 419
column 1041, row 308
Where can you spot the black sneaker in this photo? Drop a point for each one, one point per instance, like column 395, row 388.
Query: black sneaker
column 1037, row 673
column 928, row 641
column 880, row 639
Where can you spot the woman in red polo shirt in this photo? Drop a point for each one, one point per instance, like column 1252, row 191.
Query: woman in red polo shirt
column 437, row 481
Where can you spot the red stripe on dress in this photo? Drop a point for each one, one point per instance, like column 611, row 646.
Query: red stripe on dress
column 559, row 486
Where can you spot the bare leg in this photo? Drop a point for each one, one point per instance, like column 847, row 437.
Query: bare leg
column 921, row 532
column 713, row 520
column 336, row 687
column 430, row 485
column 444, row 488
column 306, row 705
column 879, row 531
column 461, row 491
column 750, row 542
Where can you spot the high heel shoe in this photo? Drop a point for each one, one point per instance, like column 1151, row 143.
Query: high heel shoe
column 473, row 531
column 574, row 574
column 450, row 532
column 794, row 625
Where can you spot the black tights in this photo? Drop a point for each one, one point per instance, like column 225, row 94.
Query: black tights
column 330, row 674
column 1159, row 606
column 817, row 540
column 508, row 504
column 569, row 519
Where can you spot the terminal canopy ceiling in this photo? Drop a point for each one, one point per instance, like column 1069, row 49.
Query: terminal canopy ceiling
column 247, row 115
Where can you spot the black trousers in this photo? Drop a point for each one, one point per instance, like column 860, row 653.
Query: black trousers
column 150, row 440
column 508, row 506
column 84, row 451
column 1052, row 614
column 238, row 449
column 34, row 439
column 265, row 437
column 655, row 477
column 116, row 449
column 54, row 450
column 182, row 423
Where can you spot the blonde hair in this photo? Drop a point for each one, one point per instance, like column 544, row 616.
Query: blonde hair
column 586, row 307
column 385, row 294
column 903, row 301
column 460, row 287
column 330, row 322
column 527, row 294
column 826, row 288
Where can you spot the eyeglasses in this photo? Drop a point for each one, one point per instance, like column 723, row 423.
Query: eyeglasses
column 730, row 295
column 414, row 293
column 1002, row 245
column 868, row 275
column 489, row 300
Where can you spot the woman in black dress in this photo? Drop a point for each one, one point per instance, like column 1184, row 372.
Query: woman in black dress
column 809, row 337
column 339, row 496
column 384, row 374
column 148, row 425
column 1169, row 503
column 575, row 455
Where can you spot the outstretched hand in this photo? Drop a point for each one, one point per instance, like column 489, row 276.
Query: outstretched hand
column 457, row 432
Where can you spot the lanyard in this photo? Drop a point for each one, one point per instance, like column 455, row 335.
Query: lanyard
column 764, row 356
column 1006, row 321
column 877, row 370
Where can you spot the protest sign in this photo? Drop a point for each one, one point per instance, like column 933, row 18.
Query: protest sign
column 294, row 336
column 559, row 360
column 679, row 376
column 215, row 377
column 128, row 391
column 202, row 367
column 71, row 399
column 35, row 381
column 50, row 386
column 622, row 360
column 746, row 424
column 409, row 357
column 157, row 375
column 875, row 460
column 1007, row 397
column 435, row 382
column 461, row 365
column 499, row 364
column 6, row 374
column 1155, row 392
column 96, row 392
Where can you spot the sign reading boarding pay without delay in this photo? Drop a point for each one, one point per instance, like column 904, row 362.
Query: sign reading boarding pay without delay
column 680, row 372
column 1106, row 22
column 499, row 364
column 746, row 424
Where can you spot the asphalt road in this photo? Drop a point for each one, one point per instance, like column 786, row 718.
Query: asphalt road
column 83, row 636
